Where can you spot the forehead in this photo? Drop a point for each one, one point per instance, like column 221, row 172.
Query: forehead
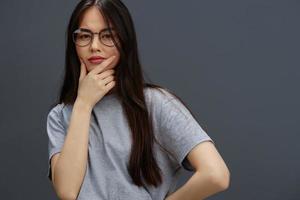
column 92, row 19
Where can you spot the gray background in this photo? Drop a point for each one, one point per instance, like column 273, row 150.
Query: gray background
column 235, row 63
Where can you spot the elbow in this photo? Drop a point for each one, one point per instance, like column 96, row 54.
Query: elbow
column 63, row 194
column 66, row 196
column 63, row 190
column 221, row 179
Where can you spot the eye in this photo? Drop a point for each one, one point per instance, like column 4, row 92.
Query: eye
column 84, row 36
column 106, row 35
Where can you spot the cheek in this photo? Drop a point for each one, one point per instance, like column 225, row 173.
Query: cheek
column 114, row 52
column 79, row 52
column 115, row 62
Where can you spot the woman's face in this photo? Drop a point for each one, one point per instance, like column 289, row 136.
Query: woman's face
column 93, row 20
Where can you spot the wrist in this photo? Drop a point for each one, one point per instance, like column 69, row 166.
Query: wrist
column 83, row 106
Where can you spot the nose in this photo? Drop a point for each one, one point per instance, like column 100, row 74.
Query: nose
column 95, row 43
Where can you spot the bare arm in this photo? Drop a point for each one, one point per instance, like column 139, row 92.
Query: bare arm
column 211, row 176
column 70, row 165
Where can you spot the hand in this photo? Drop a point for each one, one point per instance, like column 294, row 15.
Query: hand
column 94, row 85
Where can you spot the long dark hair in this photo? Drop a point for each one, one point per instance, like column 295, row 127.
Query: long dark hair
column 129, row 86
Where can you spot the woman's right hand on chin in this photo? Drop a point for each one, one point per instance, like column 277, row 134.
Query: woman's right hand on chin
column 95, row 84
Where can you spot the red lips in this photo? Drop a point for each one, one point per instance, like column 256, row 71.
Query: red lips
column 96, row 58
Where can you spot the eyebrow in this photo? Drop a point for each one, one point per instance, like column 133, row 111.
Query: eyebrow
column 105, row 29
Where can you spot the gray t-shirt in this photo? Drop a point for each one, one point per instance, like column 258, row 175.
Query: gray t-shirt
column 110, row 142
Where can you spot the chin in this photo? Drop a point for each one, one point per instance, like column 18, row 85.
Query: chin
column 89, row 68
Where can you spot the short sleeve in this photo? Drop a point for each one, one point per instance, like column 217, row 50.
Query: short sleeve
column 180, row 131
column 56, row 134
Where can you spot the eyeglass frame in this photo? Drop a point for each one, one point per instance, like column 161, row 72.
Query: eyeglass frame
column 92, row 33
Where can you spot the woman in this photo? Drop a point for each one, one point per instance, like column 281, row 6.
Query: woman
column 113, row 136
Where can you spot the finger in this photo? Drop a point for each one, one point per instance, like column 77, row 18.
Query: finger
column 106, row 63
column 107, row 80
column 105, row 74
column 110, row 85
column 82, row 70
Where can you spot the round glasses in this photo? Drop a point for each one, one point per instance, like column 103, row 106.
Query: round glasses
column 83, row 37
